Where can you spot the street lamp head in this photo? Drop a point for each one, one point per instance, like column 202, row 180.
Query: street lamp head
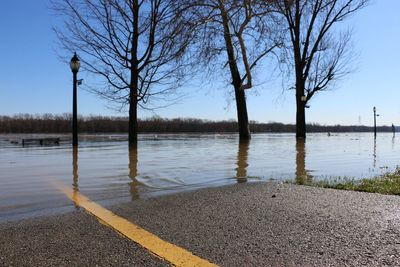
column 75, row 63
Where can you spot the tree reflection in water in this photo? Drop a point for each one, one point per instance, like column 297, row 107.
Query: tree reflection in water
column 302, row 176
column 241, row 170
column 133, row 162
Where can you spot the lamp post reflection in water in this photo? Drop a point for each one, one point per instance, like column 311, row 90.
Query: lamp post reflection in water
column 241, row 170
column 301, row 173
column 75, row 186
column 133, row 162
column 374, row 154
column 393, row 143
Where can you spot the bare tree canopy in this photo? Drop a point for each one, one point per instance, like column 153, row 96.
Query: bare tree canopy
column 234, row 34
column 132, row 45
column 317, row 54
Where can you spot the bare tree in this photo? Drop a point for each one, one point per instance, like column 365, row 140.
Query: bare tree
column 318, row 54
column 134, row 46
column 231, row 33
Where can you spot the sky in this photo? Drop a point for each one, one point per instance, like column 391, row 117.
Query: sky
column 33, row 79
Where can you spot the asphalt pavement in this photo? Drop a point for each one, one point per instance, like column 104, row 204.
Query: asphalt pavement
column 254, row 224
column 71, row 239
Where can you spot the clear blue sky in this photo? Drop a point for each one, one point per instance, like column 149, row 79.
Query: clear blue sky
column 34, row 80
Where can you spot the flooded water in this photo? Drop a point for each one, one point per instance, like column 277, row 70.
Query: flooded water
column 106, row 171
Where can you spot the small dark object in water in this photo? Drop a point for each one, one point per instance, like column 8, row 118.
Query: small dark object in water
column 41, row 141
column 273, row 195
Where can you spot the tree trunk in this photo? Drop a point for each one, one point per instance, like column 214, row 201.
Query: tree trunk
column 300, row 118
column 134, row 82
column 133, row 95
column 300, row 104
column 133, row 125
column 243, row 121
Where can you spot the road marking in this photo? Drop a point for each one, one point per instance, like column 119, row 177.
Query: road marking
column 177, row 256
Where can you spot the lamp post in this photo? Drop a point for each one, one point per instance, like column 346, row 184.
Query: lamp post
column 375, row 115
column 75, row 64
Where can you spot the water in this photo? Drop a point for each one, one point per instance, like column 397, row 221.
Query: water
column 106, row 171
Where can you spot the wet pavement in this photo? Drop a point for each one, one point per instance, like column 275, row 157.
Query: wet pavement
column 71, row 239
column 258, row 224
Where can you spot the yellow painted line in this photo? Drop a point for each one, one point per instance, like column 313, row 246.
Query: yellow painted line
column 177, row 256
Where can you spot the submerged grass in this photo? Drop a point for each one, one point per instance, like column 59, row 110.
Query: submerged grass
column 388, row 184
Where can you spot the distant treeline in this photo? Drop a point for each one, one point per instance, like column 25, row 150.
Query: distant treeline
column 49, row 123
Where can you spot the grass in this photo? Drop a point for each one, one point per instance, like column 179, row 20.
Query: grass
column 388, row 184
